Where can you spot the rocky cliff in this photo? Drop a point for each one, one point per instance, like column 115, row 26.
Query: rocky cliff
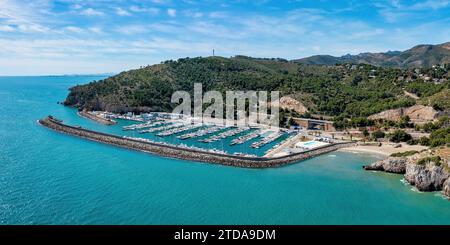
column 425, row 177
column 286, row 102
column 391, row 165
column 446, row 188
column 417, row 114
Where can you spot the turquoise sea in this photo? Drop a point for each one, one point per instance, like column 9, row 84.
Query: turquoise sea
column 50, row 178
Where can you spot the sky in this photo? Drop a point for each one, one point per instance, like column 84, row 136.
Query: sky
column 49, row 37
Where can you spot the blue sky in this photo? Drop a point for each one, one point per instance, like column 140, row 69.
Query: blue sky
column 66, row 37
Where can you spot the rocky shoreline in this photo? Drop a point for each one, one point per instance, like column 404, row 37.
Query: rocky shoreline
column 426, row 177
column 187, row 154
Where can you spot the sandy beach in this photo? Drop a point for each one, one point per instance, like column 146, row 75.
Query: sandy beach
column 385, row 149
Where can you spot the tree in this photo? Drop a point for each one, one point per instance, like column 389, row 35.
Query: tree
column 366, row 132
column 378, row 135
column 399, row 136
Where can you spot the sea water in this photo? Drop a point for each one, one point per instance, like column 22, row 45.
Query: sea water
column 51, row 178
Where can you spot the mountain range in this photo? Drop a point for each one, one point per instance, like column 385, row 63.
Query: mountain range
column 424, row 55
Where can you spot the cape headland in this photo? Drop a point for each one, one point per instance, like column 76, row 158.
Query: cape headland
column 426, row 170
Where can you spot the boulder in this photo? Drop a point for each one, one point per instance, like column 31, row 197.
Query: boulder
column 392, row 165
column 446, row 188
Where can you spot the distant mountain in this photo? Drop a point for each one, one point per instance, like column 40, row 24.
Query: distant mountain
column 424, row 55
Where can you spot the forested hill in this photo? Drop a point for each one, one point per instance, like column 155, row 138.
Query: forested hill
column 424, row 55
column 347, row 90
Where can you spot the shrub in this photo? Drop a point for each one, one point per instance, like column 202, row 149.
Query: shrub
column 366, row 132
column 404, row 154
column 440, row 137
column 424, row 141
column 399, row 136
column 412, row 142
column 378, row 134
column 434, row 159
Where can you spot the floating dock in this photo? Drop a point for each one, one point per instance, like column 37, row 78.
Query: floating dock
column 143, row 125
column 201, row 133
column 177, row 130
column 224, row 135
column 244, row 138
column 165, row 127
column 267, row 140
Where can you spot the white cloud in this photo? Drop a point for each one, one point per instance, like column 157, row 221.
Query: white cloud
column 433, row 4
column 30, row 28
column 131, row 29
column 160, row 1
column 122, row 12
column 76, row 6
column 395, row 11
column 218, row 15
column 172, row 12
column 193, row 14
column 74, row 29
column 96, row 30
column 138, row 9
column 15, row 13
column 7, row 28
column 92, row 12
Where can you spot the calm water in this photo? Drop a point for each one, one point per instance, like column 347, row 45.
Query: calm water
column 223, row 144
column 50, row 178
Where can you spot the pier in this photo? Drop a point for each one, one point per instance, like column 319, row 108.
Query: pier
column 244, row 138
column 177, row 130
column 224, row 135
column 143, row 125
column 165, row 127
column 200, row 133
column 267, row 140
column 185, row 153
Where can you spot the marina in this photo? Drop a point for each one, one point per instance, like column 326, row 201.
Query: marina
column 268, row 139
column 143, row 125
column 201, row 133
column 165, row 127
column 178, row 130
column 225, row 134
column 183, row 151
column 244, row 138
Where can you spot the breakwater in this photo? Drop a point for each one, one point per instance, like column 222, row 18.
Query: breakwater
column 188, row 154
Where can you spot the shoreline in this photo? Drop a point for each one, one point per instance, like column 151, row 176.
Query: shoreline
column 187, row 154
column 385, row 150
column 356, row 150
column 96, row 118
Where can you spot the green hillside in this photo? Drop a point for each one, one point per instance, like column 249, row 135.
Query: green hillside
column 348, row 90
